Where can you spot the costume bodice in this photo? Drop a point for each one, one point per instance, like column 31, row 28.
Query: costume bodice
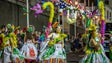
column 54, row 35
column 96, row 41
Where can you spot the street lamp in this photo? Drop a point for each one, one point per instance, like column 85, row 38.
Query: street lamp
column 27, row 5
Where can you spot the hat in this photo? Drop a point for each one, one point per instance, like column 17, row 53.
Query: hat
column 30, row 29
column 8, row 26
column 55, row 24
column 24, row 29
column 92, row 27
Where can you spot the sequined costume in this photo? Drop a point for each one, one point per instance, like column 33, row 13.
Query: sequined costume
column 93, row 55
column 54, row 48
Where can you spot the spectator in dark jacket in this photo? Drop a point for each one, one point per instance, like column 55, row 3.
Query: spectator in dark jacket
column 77, row 45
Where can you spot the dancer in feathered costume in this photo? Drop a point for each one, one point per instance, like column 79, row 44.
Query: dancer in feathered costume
column 11, row 53
column 29, row 50
column 55, row 46
column 2, row 36
column 94, row 50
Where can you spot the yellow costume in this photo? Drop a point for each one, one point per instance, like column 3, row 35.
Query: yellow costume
column 13, row 40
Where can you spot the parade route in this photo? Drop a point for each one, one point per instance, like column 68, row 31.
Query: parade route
column 74, row 57
column 55, row 31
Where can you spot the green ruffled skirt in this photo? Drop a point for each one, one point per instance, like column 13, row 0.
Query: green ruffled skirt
column 53, row 52
column 93, row 56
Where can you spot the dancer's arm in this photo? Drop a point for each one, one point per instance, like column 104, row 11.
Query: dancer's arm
column 62, row 43
column 95, row 44
column 49, row 36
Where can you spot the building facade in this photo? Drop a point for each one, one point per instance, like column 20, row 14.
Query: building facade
column 108, row 11
column 12, row 12
column 108, row 15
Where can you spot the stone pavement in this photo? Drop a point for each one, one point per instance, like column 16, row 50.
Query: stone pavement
column 74, row 57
